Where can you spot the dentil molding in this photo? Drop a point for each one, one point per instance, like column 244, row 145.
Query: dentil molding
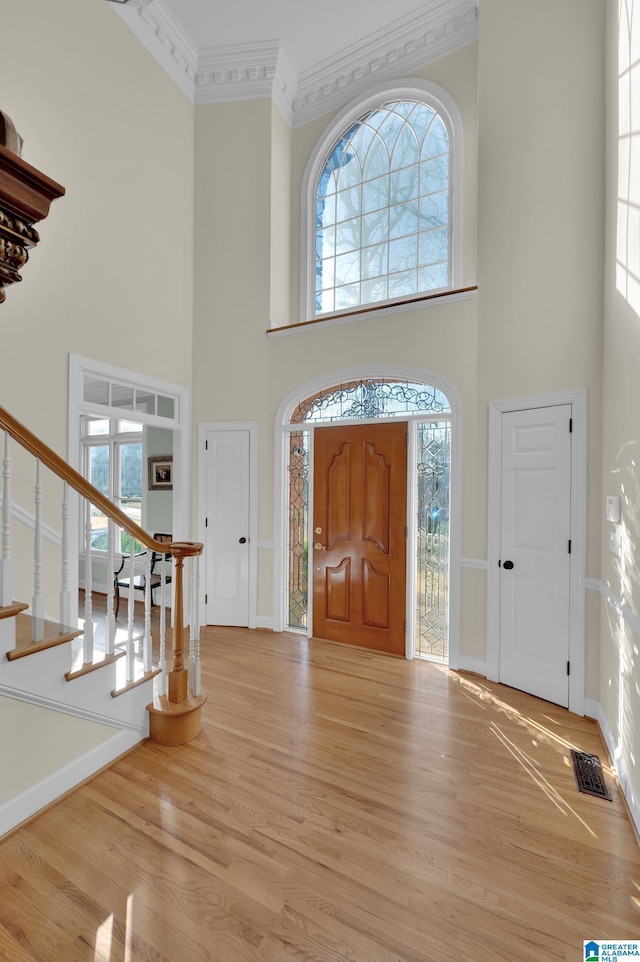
column 254, row 71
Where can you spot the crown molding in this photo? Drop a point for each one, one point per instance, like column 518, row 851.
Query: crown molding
column 254, row 71
column 165, row 38
column 247, row 71
column 412, row 42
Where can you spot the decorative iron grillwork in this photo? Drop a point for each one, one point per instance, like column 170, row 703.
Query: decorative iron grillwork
column 298, row 514
column 371, row 398
column 434, row 469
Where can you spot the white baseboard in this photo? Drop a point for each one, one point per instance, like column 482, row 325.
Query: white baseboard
column 262, row 621
column 594, row 710
column 38, row 796
column 476, row 665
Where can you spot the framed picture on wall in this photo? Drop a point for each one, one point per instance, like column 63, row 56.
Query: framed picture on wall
column 161, row 473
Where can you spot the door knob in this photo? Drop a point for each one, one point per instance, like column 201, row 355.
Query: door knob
column 508, row 565
column 242, row 540
column 319, row 547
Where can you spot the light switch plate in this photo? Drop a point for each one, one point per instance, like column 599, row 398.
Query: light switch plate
column 613, row 509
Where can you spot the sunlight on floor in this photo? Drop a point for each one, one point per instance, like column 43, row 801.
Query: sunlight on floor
column 483, row 697
column 531, row 768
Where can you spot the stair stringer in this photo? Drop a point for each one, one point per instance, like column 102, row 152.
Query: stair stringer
column 42, row 675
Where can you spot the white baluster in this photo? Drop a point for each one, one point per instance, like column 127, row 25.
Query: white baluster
column 130, row 611
column 37, row 600
column 162, row 678
column 146, row 641
column 195, row 666
column 65, row 573
column 110, row 624
column 6, row 581
column 87, row 643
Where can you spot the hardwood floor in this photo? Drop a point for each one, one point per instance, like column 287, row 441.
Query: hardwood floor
column 338, row 806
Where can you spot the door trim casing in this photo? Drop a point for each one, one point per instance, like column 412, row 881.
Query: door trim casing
column 282, row 420
column 252, row 427
column 577, row 398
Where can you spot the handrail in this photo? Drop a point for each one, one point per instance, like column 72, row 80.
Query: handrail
column 28, row 440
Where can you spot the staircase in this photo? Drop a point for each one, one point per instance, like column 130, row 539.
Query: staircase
column 95, row 678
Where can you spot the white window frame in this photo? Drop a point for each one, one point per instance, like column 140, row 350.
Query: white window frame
column 115, row 440
column 410, row 89
column 180, row 424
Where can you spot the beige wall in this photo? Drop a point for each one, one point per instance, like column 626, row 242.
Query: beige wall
column 540, row 217
column 249, row 169
column 129, row 272
column 619, row 670
column 112, row 276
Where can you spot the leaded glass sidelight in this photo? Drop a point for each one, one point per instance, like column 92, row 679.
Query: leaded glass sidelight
column 434, row 483
column 297, row 586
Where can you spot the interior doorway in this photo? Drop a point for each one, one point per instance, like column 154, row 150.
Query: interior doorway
column 537, row 512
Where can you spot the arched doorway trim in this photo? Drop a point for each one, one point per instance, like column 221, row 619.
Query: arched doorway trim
column 283, row 420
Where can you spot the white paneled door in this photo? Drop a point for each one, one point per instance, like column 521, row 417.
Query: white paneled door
column 535, row 559
column 227, row 528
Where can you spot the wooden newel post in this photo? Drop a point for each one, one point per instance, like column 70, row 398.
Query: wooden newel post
column 178, row 676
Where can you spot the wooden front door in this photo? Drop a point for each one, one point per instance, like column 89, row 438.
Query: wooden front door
column 359, row 540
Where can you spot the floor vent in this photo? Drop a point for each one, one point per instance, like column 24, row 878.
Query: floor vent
column 589, row 777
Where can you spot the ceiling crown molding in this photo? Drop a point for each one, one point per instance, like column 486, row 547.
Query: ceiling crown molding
column 166, row 40
column 254, row 71
column 414, row 41
column 246, row 71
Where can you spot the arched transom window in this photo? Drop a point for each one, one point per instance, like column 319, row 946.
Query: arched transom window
column 383, row 209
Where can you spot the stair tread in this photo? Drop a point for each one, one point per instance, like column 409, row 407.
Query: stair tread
column 90, row 666
column 53, row 634
column 14, row 609
column 140, row 680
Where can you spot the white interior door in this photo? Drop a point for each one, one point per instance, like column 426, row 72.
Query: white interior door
column 227, row 528
column 535, row 549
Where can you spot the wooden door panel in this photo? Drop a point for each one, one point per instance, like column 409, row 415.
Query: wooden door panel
column 377, row 498
column 338, row 486
column 338, row 591
column 359, row 556
column 375, row 597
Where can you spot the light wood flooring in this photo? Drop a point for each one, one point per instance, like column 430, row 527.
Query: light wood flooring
column 338, row 806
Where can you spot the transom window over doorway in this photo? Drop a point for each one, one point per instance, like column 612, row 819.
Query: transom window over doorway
column 428, row 413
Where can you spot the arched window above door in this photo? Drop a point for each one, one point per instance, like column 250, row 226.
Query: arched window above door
column 382, row 196
column 371, row 398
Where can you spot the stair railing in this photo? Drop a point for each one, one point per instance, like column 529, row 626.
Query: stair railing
column 174, row 681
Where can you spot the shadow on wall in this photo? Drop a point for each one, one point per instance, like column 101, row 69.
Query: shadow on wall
column 623, row 682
